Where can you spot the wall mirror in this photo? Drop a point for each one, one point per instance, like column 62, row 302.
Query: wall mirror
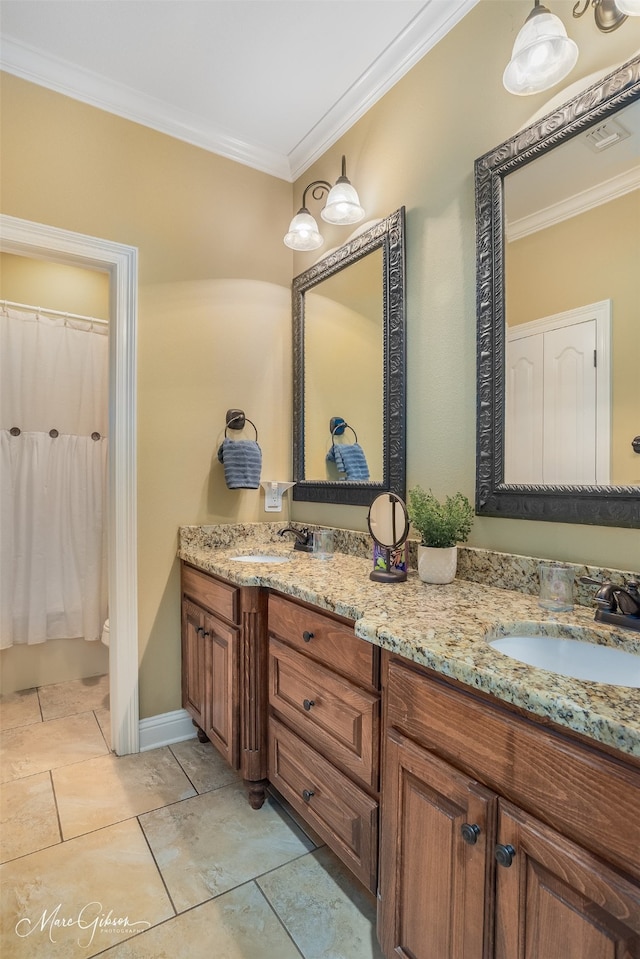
column 349, row 361
column 558, row 302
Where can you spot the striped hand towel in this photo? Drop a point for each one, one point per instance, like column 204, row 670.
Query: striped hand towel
column 350, row 459
column 242, row 461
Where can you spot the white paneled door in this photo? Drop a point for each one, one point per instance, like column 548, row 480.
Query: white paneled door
column 557, row 399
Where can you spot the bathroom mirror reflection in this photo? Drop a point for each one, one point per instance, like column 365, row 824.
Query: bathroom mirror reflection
column 558, row 245
column 570, row 419
column 349, row 363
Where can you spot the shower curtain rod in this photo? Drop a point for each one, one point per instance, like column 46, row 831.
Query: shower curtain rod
column 42, row 309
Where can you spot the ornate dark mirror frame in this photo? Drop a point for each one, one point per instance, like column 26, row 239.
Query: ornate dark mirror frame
column 595, row 505
column 388, row 235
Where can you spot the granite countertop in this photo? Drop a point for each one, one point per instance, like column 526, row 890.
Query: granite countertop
column 442, row 628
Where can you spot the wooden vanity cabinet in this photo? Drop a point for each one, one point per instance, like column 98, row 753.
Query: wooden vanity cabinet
column 224, row 659
column 500, row 838
column 324, row 728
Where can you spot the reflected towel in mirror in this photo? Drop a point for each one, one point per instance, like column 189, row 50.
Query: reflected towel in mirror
column 242, row 461
column 350, row 459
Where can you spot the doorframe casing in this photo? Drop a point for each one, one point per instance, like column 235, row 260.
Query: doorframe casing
column 37, row 240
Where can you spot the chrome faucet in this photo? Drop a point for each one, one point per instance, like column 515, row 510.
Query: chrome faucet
column 617, row 605
column 303, row 538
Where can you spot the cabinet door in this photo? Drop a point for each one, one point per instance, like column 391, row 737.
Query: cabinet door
column 193, row 661
column 434, row 888
column 221, row 692
column 555, row 899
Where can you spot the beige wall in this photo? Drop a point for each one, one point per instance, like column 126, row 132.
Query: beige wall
column 565, row 278
column 417, row 147
column 214, row 318
column 55, row 286
column 215, row 276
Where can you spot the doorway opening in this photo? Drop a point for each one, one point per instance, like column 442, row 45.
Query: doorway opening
column 40, row 241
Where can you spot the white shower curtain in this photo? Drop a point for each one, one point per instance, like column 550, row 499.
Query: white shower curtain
column 53, row 390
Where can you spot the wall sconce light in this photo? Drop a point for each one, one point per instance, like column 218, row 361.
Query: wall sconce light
column 342, row 207
column 609, row 14
column 543, row 54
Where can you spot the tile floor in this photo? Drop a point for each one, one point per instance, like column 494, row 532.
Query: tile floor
column 153, row 856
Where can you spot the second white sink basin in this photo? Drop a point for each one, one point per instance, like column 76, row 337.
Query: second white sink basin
column 573, row 657
column 260, row 558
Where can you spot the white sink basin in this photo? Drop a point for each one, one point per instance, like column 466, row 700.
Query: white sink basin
column 260, row 558
column 573, row 657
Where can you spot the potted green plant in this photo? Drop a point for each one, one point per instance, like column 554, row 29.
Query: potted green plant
column 442, row 525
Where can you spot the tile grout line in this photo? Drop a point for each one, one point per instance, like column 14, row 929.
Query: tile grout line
column 162, row 879
column 276, row 914
column 198, row 793
column 55, row 801
column 39, row 704
column 108, row 745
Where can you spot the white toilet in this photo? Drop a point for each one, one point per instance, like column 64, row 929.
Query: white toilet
column 105, row 633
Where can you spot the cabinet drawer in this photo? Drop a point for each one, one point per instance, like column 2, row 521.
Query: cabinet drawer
column 340, row 719
column 217, row 596
column 325, row 640
column 343, row 815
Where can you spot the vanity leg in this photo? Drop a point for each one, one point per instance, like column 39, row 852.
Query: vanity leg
column 257, row 792
column 202, row 736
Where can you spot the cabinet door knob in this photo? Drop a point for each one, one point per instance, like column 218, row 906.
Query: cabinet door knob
column 504, row 854
column 308, row 703
column 470, row 833
column 199, row 629
column 307, row 794
column 206, row 633
column 307, row 636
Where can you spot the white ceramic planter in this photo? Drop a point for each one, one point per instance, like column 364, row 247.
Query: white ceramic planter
column 437, row 565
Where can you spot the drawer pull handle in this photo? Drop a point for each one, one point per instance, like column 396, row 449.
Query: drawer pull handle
column 470, row 833
column 308, row 703
column 307, row 794
column 504, row 854
column 307, row 636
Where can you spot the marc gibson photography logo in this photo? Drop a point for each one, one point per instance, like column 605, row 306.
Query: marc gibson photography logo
column 89, row 920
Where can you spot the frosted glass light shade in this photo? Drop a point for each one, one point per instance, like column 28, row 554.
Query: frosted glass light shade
column 630, row 8
column 542, row 55
column 303, row 232
column 343, row 204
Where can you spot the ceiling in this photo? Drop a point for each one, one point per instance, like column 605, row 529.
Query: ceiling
column 268, row 83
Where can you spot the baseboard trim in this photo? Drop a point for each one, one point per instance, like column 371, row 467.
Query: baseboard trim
column 165, row 729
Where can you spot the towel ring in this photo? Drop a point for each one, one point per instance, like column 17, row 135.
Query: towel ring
column 342, row 427
column 248, row 421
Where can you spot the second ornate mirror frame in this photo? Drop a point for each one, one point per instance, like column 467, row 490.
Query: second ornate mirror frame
column 596, row 505
column 387, row 235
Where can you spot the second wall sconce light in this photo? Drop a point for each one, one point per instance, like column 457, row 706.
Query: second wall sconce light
column 342, row 207
column 543, row 54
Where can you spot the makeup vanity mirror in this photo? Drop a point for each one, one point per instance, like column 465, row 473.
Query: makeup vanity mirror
column 349, row 368
column 388, row 522
column 558, row 300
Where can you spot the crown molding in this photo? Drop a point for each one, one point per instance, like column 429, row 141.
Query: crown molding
column 433, row 22
column 56, row 74
column 579, row 203
column 421, row 34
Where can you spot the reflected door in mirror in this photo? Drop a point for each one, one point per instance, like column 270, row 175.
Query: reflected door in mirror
column 557, row 399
